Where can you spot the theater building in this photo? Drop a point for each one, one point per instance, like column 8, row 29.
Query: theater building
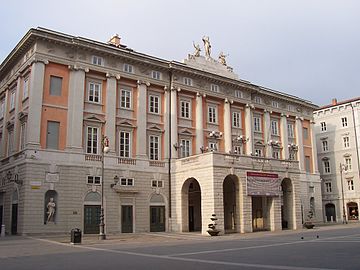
column 185, row 140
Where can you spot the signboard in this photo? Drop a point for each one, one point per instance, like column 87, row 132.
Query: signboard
column 262, row 184
column 52, row 177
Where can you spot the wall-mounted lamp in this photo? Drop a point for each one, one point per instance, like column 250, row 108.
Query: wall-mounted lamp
column 215, row 134
column 204, row 149
column 241, row 139
column 116, row 181
column 177, row 146
column 273, row 143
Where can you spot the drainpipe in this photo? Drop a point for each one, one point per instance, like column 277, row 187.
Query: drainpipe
column 356, row 139
column 169, row 142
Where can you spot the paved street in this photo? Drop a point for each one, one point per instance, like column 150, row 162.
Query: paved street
column 331, row 247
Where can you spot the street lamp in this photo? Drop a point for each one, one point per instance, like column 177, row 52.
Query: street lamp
column 104, row 149
column 343, row 167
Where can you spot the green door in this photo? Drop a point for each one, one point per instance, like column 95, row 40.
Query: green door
column 157, row 218
column 92, row 219
column 126, row 218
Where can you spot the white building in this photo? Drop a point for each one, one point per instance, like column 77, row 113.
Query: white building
column 338, row 138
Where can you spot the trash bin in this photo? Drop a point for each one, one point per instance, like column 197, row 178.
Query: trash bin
column 76, row 236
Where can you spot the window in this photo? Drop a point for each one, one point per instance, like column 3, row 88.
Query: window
column 290, row 130
column 214, row 88
column 276, row 154
column 292, row 155
column 328, row 187
column 94, row 92
column 307, row 164
column 52, row 135
column 275, row 104
column 346, row 141
column 238, row 149
column 258, row 152
column 305, row 133
column 10, row 147
column 154, row 147
column 325, row 146
column 2, row 109
column 128, row 68
column 96, row 60
column 55, row 85
column 12, row 100
column 126, row 181
column 257, row 124
column 274, row 127
column 257, row 100
column 344, row 121
column 185, row 109
column 348, row 163
column 185, row 149
column 93, row 180
column 290, row 108
column 187, row 81
column 22, row 135
column 156, row 75
column 323, row 126
column 157, row 183
column 92, row 140
column 236, row 120
column 213, row 146
column 238, row 94
column 212, row 114
column 154, row 102
column 326, row 164
column 124, row 150
column 350, row 184
column 26, row 87
column 125, row 99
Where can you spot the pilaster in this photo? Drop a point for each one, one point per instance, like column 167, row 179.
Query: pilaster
column 267, row 134
column 199, row 123
column 313, row 147
column 174, row 120
column 227, row 126
column 141, row 118
column 284, row 137
column 249, row 129
column 299, row 142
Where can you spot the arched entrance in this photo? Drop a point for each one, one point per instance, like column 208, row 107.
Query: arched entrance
column 157, row 213
column 92, row 209
column 353, row 211
column 287, row 204
column 330, row 212
column 14, row 211
column 191, row 206
column 230, row 202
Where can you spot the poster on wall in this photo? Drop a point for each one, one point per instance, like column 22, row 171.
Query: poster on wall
column 262, row 184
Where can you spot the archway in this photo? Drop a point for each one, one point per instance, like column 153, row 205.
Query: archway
column 330, row 212
column 287, row 204
column 92, row 210
column 353, row 211
column 230, row 203
column 191, row 205
column 157, row 213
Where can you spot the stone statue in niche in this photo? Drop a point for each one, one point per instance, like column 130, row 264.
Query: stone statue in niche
column 207, row 46
column 51, row 210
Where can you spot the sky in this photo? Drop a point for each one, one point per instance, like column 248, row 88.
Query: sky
column 306, row 48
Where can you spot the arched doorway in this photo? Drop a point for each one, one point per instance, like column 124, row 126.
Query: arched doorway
column 92, row 209
column 287, row 204
column 353, row 211
column 191, row 205
column 230, row 203
column 14, row 211
column 157, row 213
column 330, row 212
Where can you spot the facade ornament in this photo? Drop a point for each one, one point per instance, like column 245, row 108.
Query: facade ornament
column 226, row 100
column 198, row 94
column 178, row 89
column 222, row 58
column 110, row 75
column 207, row 46
column 139, row 82
column 166, row 88
column 204, row 95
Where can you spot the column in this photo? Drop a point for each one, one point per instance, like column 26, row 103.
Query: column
column 110, row 125
column 174, row 121
column 299, row 142
column 249, row 130
column 35, row 103
column 267, row 134
column 199, row 123
column 227, row 126
column 314, row 149
column 141, row 119
column 167, row 121
column 284, row 137
column 75, row 109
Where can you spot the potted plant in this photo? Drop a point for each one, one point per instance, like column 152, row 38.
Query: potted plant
column 308, row 223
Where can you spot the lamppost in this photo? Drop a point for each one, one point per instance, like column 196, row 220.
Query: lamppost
column 343, row 167
column 104, row 149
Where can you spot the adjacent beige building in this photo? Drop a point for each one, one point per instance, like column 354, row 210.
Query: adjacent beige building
column 186, row 141
column 338, row 137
